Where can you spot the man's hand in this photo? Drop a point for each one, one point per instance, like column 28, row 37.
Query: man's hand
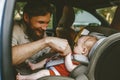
column 66, row 51
column 58, row 44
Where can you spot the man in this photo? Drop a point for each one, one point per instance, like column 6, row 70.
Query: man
column 29, row 39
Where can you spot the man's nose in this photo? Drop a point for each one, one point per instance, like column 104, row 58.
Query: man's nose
column 44, row 27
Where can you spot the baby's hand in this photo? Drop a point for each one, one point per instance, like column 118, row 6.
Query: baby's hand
column 67, row 51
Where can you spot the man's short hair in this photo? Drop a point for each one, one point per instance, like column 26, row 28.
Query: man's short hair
column 38, row 8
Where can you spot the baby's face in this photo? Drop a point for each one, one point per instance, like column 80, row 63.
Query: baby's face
column 78, row 48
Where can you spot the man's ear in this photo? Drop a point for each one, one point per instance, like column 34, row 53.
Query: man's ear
column 85, row 51
column 26, row 17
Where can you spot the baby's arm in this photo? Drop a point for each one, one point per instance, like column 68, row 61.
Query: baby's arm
column 68, row 63
column 37, row 65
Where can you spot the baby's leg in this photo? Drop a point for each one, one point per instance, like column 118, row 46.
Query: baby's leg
column 37, row 65
column 33, row 76
column 32, row 65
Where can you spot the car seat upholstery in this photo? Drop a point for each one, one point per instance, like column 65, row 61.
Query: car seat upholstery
column 105, row 64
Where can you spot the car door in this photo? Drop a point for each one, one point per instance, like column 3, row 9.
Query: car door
column 6, row 11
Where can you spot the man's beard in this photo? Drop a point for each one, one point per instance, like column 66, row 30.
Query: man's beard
column 32, row 34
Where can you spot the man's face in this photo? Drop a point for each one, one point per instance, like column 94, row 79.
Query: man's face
column 37, row 25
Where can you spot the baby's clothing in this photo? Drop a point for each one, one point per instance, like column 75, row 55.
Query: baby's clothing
column 60, row 69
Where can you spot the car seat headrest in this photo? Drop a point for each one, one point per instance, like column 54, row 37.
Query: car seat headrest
column 94, row 47
column 98, row 35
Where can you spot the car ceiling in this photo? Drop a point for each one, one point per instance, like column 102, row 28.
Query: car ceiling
column 85, row 4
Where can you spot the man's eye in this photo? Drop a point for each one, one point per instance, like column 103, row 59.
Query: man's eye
column 41, row 22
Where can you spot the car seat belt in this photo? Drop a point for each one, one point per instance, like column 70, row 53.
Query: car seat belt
column 76, row 57
column 54, row 62
column 81, row 58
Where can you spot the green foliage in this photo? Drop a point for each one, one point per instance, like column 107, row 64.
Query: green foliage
column 77, row 9
column 18, row 12
column 107, row 13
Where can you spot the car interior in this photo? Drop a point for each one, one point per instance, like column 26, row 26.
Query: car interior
column 104, row 64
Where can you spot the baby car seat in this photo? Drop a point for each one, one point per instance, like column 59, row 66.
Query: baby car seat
column 103, row 64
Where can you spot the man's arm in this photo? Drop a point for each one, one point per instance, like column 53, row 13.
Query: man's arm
column 21, row 52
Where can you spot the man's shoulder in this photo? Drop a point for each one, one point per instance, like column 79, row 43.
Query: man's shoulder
column 18, row 35
column 18, row 26
column 19, row 29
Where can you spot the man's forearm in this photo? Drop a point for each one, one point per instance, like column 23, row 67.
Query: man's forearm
column 21, row 52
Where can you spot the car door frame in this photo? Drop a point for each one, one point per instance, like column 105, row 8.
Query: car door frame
column 6, row 67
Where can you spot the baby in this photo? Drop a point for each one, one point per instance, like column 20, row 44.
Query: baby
column 82, row 47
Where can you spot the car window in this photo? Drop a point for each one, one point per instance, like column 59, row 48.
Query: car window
column 84, row 18
column 107, row 13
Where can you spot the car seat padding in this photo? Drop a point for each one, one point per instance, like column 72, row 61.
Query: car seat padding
column 108, row 65
column 55, row 78
column 79, row 70
column 105, row 61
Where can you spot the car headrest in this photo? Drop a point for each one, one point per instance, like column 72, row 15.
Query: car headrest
column 98, row 35
column 94, row 47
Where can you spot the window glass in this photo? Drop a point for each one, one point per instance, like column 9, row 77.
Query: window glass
column 107, row 13
column 84, row 18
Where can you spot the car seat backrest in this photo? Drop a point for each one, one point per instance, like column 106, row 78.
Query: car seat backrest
column 104, row 30
column 104, row 64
